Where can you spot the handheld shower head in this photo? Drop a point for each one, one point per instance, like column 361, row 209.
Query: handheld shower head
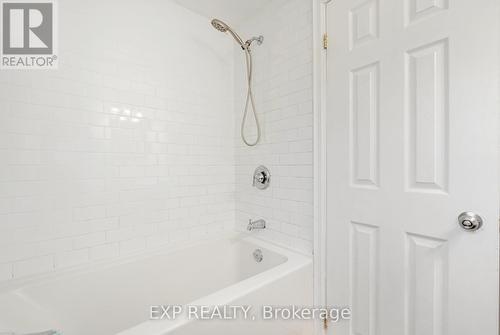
column 219, row 25
column 224, row 28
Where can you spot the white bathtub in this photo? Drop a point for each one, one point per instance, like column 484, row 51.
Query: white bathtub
column 117, row 298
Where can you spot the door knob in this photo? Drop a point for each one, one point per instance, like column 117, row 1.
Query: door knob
column 470, row 221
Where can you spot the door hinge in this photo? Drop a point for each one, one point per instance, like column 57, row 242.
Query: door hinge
column 325, row 41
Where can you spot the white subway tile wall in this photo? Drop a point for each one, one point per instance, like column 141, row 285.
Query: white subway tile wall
column 128, row 146
column 283, row 91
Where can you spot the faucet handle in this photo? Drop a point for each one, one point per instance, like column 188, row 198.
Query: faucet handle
column 261, row 178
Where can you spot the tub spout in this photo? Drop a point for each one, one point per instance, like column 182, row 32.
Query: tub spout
column 258, row 224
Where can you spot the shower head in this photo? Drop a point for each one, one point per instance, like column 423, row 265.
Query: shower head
column 223, row 27
column 219, row 25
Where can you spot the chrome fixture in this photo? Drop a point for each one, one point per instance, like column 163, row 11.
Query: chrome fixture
column 258, row 224
column 261, row 177
column 250, row 101
column 259, row 39
column 224, row 28
column 470, row 221
column 257, row 255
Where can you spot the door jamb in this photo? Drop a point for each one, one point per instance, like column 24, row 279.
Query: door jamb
column 319, row 108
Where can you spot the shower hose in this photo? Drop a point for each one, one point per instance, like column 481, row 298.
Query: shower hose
column 250, row 101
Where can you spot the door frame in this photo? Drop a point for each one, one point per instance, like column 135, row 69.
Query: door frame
column 319, row 8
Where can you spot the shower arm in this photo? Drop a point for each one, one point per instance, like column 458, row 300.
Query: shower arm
column 258, row 39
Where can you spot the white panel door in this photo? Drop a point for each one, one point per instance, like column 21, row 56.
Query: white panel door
column 412, row 123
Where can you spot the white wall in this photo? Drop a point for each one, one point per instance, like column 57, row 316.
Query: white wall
column 127, row 147
column 283, row 90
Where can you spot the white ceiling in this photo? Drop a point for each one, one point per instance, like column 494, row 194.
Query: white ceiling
column 231, row 11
